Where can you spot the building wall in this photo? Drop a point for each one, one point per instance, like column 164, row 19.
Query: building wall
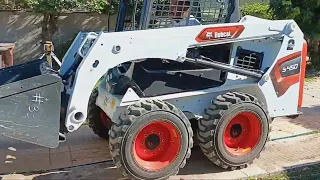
column 24, row 29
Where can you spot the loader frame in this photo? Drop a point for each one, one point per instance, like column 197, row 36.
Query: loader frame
column 152, row 43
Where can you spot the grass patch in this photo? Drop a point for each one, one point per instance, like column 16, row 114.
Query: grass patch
column 309, row 79
column 86, row 123
column 307, row 172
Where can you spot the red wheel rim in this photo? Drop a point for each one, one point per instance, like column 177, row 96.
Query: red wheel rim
column 104, row 118
column 242, row 134
column 156, row 145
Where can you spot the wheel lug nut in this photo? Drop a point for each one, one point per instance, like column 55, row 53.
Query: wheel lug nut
column 142, row 143
column 160, row 148
column 160, row 133
column 145, row 151
column 145, row 135
column 162, row 140
column 153, row 131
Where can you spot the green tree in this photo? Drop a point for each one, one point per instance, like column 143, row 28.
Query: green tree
column 307, row 15
column 260, row 10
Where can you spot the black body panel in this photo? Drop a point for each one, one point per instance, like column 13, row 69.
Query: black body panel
column 155, row 78
column 30, row 100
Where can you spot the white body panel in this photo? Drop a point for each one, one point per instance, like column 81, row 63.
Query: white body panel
column 172, row 44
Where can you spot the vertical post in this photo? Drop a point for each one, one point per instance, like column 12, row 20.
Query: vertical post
column 121, row 15
column 10, row 56
column 6, row 52
column 0, row 61
column 234, row 14
column 48, row 49
column 145, row 14
column 3, row 59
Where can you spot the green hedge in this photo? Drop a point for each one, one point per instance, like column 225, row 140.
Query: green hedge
column 257, row 9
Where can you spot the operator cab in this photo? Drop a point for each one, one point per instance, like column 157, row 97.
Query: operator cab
column 154, row 14
column 161, row 76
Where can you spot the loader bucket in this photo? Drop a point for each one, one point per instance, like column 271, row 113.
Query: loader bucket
column 30, row 103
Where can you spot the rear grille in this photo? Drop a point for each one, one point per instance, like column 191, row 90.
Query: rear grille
column 247, row 59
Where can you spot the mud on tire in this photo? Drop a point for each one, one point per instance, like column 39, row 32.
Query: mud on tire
column 234, row 130
column 147, row 133
column 95, row 117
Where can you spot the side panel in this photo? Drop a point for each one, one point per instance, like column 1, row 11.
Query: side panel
column 286, row 73
column 281, row 83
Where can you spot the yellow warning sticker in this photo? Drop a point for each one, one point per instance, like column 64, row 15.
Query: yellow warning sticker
column 113, row 103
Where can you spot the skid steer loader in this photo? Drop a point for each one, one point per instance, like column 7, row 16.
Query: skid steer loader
column 180, row 62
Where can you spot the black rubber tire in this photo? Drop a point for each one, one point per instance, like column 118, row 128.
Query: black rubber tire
column 213, row 123
column 122, row 135
column 94, row 118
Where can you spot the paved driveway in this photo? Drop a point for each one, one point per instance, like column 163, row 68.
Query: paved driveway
column 85, row 148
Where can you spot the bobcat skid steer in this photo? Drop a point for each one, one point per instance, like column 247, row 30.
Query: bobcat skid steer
column 180, row 62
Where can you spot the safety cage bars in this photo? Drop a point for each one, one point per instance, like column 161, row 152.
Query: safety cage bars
column 154, row 14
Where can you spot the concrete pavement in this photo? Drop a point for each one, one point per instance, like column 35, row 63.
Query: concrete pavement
column 279, row 156
column 84, row 147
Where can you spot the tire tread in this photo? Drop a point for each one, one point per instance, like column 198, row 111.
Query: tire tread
column 124, row 121
column 209, row 122
column 94, row 119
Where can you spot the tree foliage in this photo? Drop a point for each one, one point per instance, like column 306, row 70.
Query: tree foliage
column 50, row 7
column 257, row 9
column 307, row 15
column 12, row 5
column 51, row 10
column 305, row 12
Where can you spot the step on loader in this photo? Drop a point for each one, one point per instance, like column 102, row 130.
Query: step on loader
column 179, row 70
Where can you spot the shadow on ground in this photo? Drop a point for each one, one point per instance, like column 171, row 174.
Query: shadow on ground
column 309, row 119
column 198, row 164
